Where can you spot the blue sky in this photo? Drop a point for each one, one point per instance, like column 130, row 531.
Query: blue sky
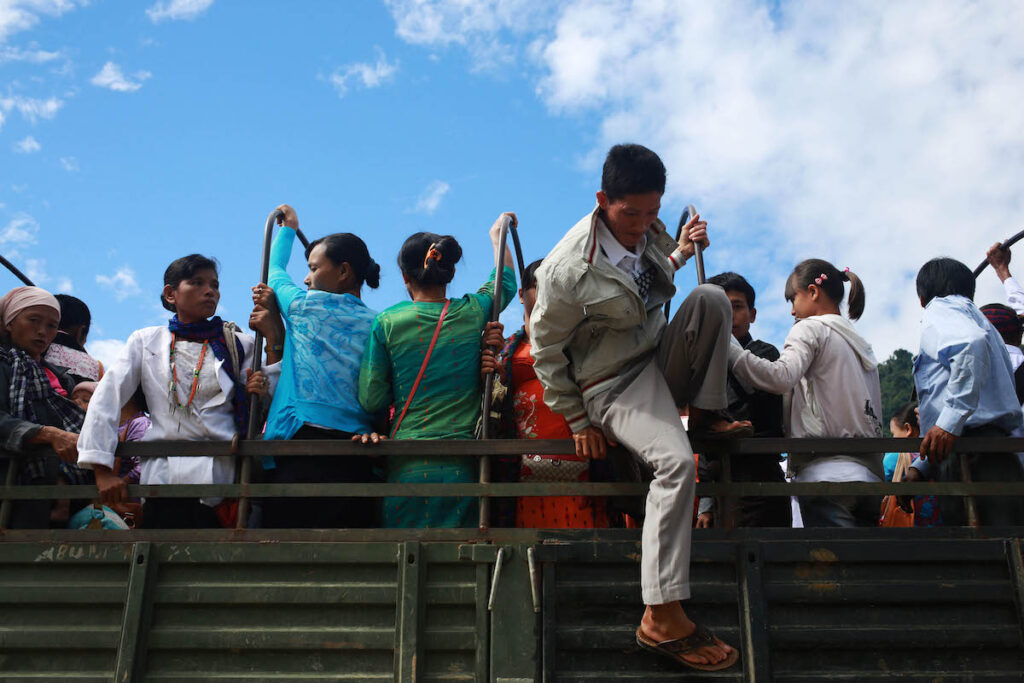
column 136, row 132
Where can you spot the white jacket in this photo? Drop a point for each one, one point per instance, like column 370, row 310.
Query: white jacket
column 145, row 361
column 829, row 377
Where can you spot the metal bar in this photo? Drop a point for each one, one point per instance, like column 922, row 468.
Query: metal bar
column 497, row 577
column 466, row 447
column 5, row 502
column 532, row 561
column 970, row 506
column 1015, row 556
column 1005, row 245
column 482, row 656
column 549, row 624
column 129, row 653
column 755, row 650
column 522, row 490
column 407, row 654
column 17, row 273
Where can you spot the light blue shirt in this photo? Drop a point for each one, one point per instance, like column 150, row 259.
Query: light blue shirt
column 963, row 374
column 323, row 349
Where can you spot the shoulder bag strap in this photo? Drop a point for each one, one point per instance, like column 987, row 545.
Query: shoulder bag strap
column 423, row 368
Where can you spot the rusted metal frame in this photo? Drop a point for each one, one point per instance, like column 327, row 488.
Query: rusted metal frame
column 6, row 503
column 1015, row 557
column 482, row 621
column 130, row 651
column 754, row 649
column 409, row 615
column 729, row 503
column 523, row 490
column 970, row 505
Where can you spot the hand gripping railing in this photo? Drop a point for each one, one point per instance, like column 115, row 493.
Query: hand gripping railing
column 507, row 226
column 253, row 431
column 1004, row 246
column 698, row 250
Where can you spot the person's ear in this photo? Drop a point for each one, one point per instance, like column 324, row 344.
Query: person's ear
column 921, row 299
column 346, row 276
column 521, row 295
column 753, row 314
column 602, row 200
column 169, row 294
column 813, row 291
column 405, row 278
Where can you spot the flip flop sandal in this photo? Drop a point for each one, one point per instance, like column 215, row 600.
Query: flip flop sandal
column 675, row 649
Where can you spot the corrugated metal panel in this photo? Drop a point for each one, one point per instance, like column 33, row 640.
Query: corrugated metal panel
column 61, row 608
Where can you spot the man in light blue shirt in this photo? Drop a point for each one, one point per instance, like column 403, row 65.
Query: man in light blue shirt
column 964, row 381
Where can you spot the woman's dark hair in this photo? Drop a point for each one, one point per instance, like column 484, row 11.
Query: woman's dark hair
column 183, row 269
column 944, row 277
column 816, row 271
column 907, row 415
column 734, row 282
column 530, row 274
column 73, row 312
column 429, row 259
column 632, row 169
column 344, row 247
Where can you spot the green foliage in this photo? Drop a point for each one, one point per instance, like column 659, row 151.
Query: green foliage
column 896, row 376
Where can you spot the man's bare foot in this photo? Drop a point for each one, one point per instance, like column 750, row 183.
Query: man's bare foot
column 710, row 423
column 669, row 622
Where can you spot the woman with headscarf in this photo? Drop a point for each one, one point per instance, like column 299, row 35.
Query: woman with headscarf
column 35, row 411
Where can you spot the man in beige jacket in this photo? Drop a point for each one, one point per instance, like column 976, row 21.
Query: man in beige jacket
column 612, row 366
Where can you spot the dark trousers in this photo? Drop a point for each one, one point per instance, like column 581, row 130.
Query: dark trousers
column 992, row 510
column 320, row 513
column 178, row 513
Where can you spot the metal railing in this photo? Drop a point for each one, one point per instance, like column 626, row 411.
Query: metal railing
column 725, row 450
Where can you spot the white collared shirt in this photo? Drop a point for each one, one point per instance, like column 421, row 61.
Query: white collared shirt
column 145, row 362
column 621, row 257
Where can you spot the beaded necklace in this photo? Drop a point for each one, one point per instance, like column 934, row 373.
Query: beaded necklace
column 172, row 388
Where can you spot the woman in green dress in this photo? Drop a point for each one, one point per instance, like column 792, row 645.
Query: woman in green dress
column 446, row 402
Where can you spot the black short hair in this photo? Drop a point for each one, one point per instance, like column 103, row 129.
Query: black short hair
column 182, row 269
column 439, row 268
column 734, row 282
column 73, row 312
column 344, row 247
column 632, row 169
column 944, row 276
column 530, row 274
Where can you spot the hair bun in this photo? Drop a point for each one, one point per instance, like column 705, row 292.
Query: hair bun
column 372, row 274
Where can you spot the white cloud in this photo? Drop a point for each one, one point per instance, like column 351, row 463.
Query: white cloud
column 872, row 134
column 20, row 230
column 65, row 286
column 175, row 10
column 111, row 76
column 31, row 109
column 35, row 269
column 122, row 283
column 19, row 15
column 105, row 351
column 430, row 199
column 491, row 30
column 369, row 75
column 70, row 164
column 27, row 146
column 32, row 55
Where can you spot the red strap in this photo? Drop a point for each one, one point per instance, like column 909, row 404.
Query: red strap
column 423, row 368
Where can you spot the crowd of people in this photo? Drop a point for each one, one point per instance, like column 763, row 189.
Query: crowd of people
column 596, row 361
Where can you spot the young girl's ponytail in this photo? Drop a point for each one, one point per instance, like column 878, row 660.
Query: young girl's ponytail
column 830, row 280
column 855, row 301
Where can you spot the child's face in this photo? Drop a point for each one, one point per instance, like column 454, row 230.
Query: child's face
column 81, row 398
column 742, row 314
column 900, row 431
column 629, row 217
column 811, row 300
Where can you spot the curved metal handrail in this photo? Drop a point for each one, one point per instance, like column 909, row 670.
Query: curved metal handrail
column 698, row 250
column 1005, row 245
